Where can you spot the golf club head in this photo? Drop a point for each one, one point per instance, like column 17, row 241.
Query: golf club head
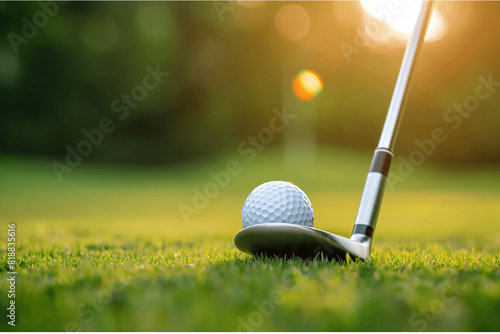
column 290, row 240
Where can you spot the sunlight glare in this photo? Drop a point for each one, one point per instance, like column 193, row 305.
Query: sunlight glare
column 401, row 17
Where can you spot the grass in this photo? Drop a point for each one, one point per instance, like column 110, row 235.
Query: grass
column 108, row 250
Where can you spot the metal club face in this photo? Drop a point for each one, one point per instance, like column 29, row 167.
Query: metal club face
column 281, row 239
column 289, row 240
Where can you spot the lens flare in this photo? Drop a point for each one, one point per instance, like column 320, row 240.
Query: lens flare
column 307, row 84
column 401, row 17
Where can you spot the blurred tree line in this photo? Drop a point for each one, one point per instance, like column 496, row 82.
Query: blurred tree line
column 226, row 74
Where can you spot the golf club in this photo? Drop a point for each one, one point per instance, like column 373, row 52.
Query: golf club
column 289, row 240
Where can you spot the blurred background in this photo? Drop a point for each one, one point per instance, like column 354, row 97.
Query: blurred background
column 230, row 63
column 135, row 130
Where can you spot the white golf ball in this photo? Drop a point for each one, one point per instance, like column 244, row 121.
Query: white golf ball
column 277, row 202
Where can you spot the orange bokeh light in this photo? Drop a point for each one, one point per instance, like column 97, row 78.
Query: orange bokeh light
column 307, row 84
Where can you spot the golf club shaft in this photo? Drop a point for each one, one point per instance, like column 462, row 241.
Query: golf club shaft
column 396, row 108
column 371, row 199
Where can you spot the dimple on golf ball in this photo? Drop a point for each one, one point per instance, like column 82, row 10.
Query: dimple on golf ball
column 277, row 202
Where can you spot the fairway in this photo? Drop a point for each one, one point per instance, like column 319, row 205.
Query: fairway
column 108, row 249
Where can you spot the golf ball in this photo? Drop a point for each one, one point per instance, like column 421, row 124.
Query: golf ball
column 277, row 202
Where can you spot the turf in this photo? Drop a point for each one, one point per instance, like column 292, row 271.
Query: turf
column 108, row 250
